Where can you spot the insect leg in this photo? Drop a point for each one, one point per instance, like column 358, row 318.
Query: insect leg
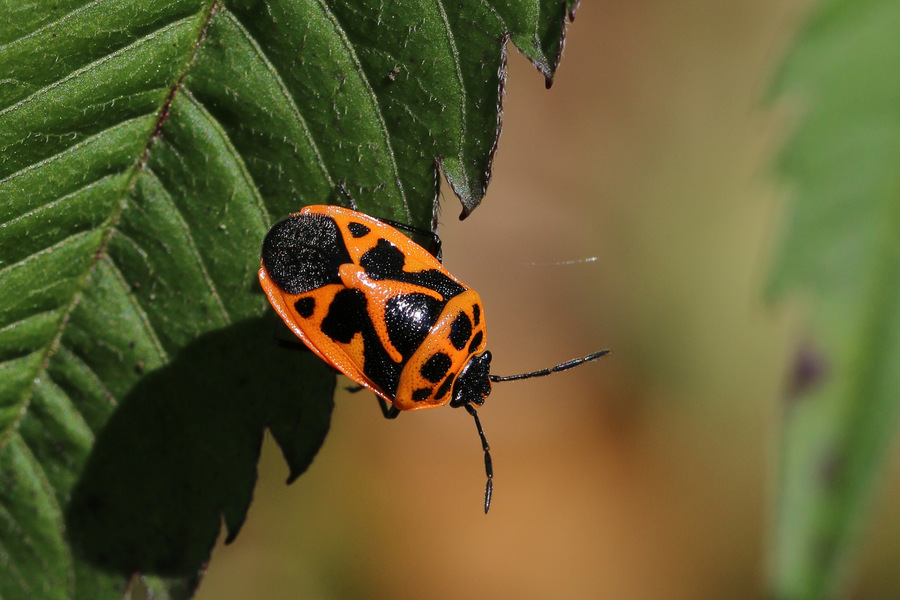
column 389, row 413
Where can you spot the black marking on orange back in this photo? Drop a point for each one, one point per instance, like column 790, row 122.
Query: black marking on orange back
column 358, row 230
column 445, row 387
column 460, row 331
column 347, row 316
column 304, row 252
column 409, row 319
column 436, row 367
column 386, row 261
column 476, row 341
column 305, row 307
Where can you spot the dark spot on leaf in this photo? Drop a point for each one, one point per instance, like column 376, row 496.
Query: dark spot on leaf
column 831, row 469
column 810, row 368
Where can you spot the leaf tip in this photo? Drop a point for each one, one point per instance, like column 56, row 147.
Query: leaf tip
column 572, row 8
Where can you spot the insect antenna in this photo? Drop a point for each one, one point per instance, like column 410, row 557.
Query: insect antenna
column 570, row 364
column 488, row 465
column 343, row 188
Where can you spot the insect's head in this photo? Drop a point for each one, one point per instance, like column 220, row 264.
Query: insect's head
column 473, row 384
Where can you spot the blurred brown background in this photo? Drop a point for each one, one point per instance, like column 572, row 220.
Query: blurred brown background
column 643, row 476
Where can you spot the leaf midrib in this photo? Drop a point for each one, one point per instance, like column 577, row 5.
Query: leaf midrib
column 109, row 225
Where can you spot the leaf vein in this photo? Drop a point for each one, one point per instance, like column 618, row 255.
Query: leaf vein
column 38, row 472
column 238, row 159
column 53, row 248
column 62, row 19
column 191, row 246
column 374, row 98
column 74, row 148
column 10, row 568
column 116, row 213
column 55, row 202
column 91, row 65
column 138, row 309
column 451, row 39
column 86, row 370
column 295, row 109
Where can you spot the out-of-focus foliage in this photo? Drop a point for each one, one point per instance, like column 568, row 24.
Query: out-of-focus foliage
column 842, row 256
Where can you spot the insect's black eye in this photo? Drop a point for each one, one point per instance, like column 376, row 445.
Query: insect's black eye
column 473, row 384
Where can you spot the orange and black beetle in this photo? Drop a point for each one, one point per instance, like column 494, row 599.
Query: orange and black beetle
column 383, row 311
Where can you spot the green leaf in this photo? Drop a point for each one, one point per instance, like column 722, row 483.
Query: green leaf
column 842, row 253
column 145, row 149
column 183, row 446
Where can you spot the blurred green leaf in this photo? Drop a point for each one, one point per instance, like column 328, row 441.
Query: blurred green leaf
column 842, row 254
column 145, row 148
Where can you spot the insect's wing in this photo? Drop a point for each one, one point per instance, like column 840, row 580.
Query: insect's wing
column 304, row 314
